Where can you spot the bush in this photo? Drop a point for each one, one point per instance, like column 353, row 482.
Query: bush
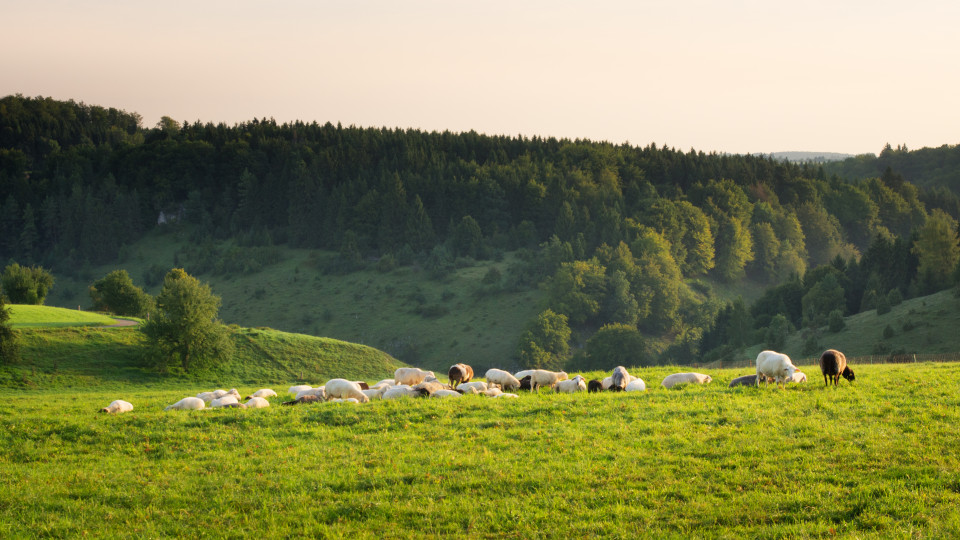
column 778, row 331
column 883, row 305
column 811, row 345
column 835, row 321
column 26, row 285
column 894, row 297
column 387, row 263
column 9, row 346
column 615, row 345
column 888, row 332
column 117, row 294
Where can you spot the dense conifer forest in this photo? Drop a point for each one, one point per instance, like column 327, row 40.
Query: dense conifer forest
column 622, row 238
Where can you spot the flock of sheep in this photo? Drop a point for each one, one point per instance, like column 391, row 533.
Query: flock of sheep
column 414, row 382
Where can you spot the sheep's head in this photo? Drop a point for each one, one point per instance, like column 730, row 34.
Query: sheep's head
column 848, row 374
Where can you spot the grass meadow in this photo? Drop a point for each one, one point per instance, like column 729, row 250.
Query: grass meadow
column 878, row 458
column 27, row 316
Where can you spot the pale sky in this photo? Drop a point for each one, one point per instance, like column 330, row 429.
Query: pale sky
column 737, row 76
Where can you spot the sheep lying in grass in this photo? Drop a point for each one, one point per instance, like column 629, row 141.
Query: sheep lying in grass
column 411, row 376
column 798, row 377
column 576, row 384
column 689, row 378
column 257, row 402
column 506, row 395
column 210, row 396
column 636, row 385
column 294, row 390
column 492, row 392
column 746, row 380
column 263, row 393
column 542, row 377
column 444, row 393
column 479, row 386
column 117, row 406
column 400, row 392
column 459, row 373
column 375, row 393
column 303, row 400
column 186, row 404
column 226, row 400
column 833, row 365
column 319, row 392
column 342, row 388
column 502, row 378
column 345, row 400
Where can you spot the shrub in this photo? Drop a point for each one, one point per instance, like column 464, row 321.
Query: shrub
column 778, row 331
column 615, row 345
column 26, row 285
column 894, row 297
column 883, row 305
column 835, row 321
column 117, row 294
column 811, row 345
column 387, row 263
column 888, row 332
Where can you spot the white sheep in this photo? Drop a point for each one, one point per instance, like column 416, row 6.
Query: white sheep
column 263, row 393
column 384, row 382
column 619, row 379
column 444, row 393
column 118, row 406
column 775, row 365
column 225, row 400
column 798, row 377
column 320, row 392
column 342, row 388
column 411, row 376
column 479, row 386
column 542, row 377
column 399, row 392
column 506, row 395
column 235, row 393
column 503, row 378
column 210, row 396
column 257, row 402
column 525, row 373
column 492, row 392
column 576, row 384
column 344, row 400
column 636, row 385
column 294, row 390
column 375, row 392
column 606, row 383
column 690, row 378
column 186, row 404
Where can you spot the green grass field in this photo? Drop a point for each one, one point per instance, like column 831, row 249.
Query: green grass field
column 876, row 459
column 25, row 316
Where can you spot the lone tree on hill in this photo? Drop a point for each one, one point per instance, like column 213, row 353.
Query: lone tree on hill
column 9, row 348
column 117, row 294
column 183, row 329
column 26, row 285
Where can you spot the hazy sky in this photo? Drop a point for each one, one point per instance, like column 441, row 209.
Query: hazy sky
column 730, row 76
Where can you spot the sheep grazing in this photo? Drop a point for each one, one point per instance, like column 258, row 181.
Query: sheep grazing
column 525, row 383
column 594, row 385
column 576, row 384
column 294, row 390
column 798, row 377
column 833, row 365
column 606, row 383
column 411, row 376
column 542, row 377
column 746, row 380
column 775, row 365
column 363, row 385
column 685, row 378
column 117, row 406
column 636, row 385
column 304, row 400
column 619, row 379
column 257, row 402
column 427, row 388
column 459, row 373
column 503, row 378
column 342, row 388
column 521, row 374
column 224, row 401
column 480, row 386
column 263, row 393
column 186, row 404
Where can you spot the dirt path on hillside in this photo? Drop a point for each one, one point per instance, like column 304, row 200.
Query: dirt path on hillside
column 121, row 322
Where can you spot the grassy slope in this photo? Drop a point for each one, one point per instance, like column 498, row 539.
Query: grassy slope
column 874, row 459
column 115, row 357
column 372, row 308
column 921, row 325
column 25, row 316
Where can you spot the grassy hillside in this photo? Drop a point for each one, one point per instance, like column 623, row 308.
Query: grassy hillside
column 24, row 316
column 920, row 325
column 873, row 459
column 87, row 357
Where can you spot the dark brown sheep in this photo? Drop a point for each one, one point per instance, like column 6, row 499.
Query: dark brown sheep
column 459, row 373
column 833, row 365
column 594, row 386
column 525, row 383
column 303, row 400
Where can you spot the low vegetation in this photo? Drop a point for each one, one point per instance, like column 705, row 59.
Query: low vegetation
column 871, row 459
column 28, row 316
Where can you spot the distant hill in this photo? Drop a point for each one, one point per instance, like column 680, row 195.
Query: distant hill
column 926, row 168
column 810, row 157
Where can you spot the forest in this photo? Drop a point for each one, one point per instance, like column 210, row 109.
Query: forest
column 625, row 240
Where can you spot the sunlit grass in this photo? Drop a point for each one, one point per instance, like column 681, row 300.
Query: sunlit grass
column 27, row 316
